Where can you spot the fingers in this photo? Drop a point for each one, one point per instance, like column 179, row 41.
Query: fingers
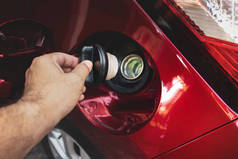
column 84, row 89
column 67, row 69
column 81, row 97
column 65, row 60
column 83, row 69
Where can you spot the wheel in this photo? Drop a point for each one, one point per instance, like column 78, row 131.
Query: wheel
column 63, row 146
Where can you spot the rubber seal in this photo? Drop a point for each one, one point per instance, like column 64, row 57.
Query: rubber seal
column 103, row 60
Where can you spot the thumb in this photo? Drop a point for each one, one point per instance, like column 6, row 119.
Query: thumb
column 83, row 69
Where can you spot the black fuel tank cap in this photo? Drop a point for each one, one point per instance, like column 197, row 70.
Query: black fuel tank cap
column 97, row 55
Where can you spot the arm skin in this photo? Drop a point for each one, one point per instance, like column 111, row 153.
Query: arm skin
column 54, row 84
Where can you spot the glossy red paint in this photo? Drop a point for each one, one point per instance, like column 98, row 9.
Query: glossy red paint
column 5, row 88
column 219, row 144
column 121, row 113
column 188, row 107
column 21, row 41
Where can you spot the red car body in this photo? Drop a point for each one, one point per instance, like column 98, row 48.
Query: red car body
column 190, row 119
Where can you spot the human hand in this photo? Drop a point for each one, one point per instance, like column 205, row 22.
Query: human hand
column 55, row 83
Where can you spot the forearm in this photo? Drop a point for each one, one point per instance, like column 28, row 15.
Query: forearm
column 22, row 126
column 51, row 92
